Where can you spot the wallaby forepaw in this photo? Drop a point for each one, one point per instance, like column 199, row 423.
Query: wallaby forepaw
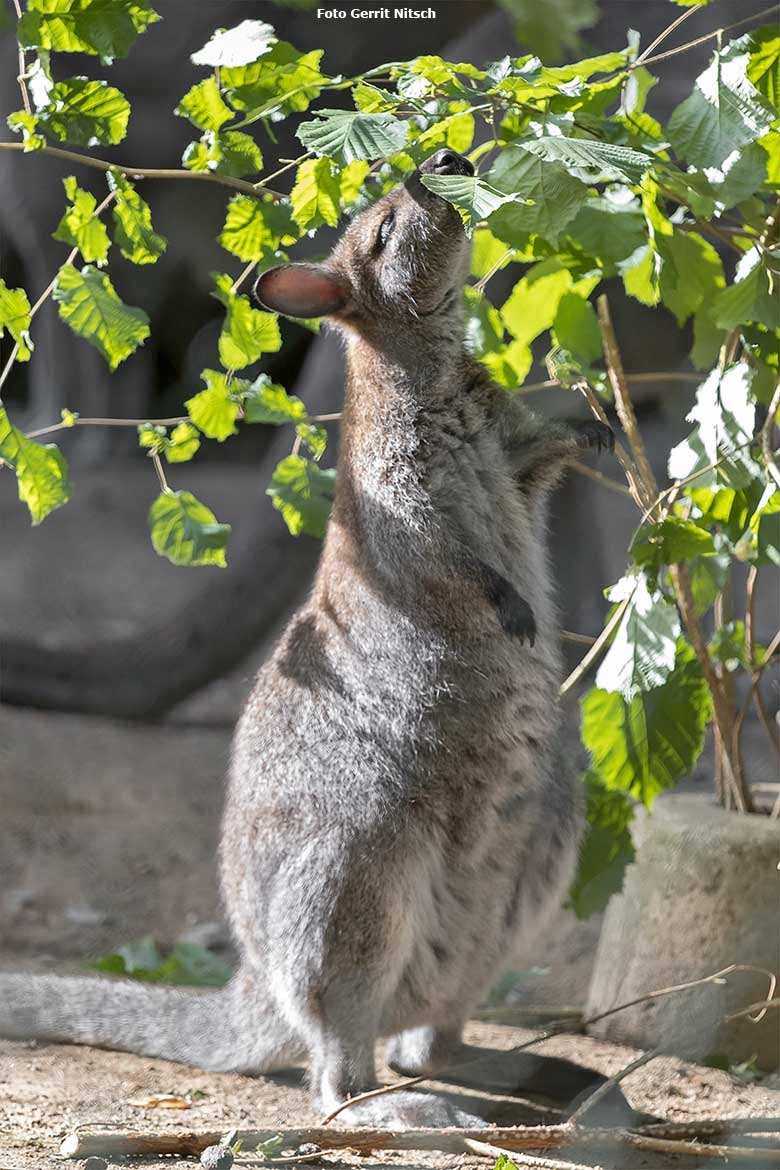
column 595, row 436
column 516, row 616
column 408, row 1110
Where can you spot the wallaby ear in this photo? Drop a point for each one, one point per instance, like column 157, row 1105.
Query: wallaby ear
column 301, row 290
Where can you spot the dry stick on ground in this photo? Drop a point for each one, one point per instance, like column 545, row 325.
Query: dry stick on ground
column 512, row 1140
column 532, row 1160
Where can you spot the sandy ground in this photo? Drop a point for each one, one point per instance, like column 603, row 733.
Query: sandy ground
column 46, row 1091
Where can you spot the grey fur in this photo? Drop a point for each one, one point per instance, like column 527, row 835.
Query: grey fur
column 398, row 817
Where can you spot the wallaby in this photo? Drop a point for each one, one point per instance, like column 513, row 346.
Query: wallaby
column 399, row 814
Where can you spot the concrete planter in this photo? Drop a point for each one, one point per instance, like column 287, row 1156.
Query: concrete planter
column 704, row 892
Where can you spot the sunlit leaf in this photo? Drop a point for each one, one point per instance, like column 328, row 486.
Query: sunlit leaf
column 646, row 745
column 15, row 317
column 303, row 493
column 133, row 232
column 241, row 45
column 348, row 135
column 204, row 106
column 79, row 227
column 89, row 304
column 105, row 28
column 186, row 531
column 41, row 471
column 86, row 112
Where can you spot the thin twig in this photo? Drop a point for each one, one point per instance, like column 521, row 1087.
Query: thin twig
column 236, row 285
column 158, row 467
column 580, row 639
column 707, row 37
column 595, row 651
column 255, row 189
column 22, row 65
column 663, row 35
column 623, row 403
column 606, row 481
column 604, row 1090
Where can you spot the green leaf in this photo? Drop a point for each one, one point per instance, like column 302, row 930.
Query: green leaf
column 555, row 196
column 204, row 106
column 474, row 199
column 691, row 273
column 641, row 655
column 606, row 848
column 104, row 28
column 133, row 232
column 669, row 543
column 600, row 160
column 533, row 303
column 750, row 299
column 764, row 67
column 725, row 416
column 15, row 317
column 456, row 131
column 303, row 493
column 230, row 152
column 484, row 332
column 216, row 409
column 186, row 964
column 247, row 333
column 724, row 112
column 136, row 959
column 28, row 124
column 576, row 329
column 86, row 112
column 79, row 227
column 316, row 195
column 88, row 303
column 727, row 646
column 640, row 272
column 186, row 531
column 739, row 176
column 282, row 81
column 255, row 228
column 348, row 135
column 607, row 231
column 41, row 471
column 645, row 746
column 765, row 523
column 246, row 42
column 266, row 402
column 184, row 441
column 193, row 966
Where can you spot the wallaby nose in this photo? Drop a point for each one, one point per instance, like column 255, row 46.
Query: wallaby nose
column 447, row 162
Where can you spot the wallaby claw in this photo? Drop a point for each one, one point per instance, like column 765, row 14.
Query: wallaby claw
column 593, row 435
column 516, row 616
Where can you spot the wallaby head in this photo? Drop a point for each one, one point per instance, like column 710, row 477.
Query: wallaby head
column 400, row 264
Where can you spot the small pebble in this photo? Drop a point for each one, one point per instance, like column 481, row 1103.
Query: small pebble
column 217, row 1158
column 94, row 1163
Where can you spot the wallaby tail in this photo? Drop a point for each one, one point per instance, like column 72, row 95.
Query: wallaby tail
column 233, row 1029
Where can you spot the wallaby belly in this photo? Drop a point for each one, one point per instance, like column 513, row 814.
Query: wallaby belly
column 398, row 812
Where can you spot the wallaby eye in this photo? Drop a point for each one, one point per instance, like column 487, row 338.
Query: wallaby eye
column 385, row 228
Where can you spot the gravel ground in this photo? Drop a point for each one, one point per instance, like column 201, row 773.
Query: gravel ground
column 46, row 1091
